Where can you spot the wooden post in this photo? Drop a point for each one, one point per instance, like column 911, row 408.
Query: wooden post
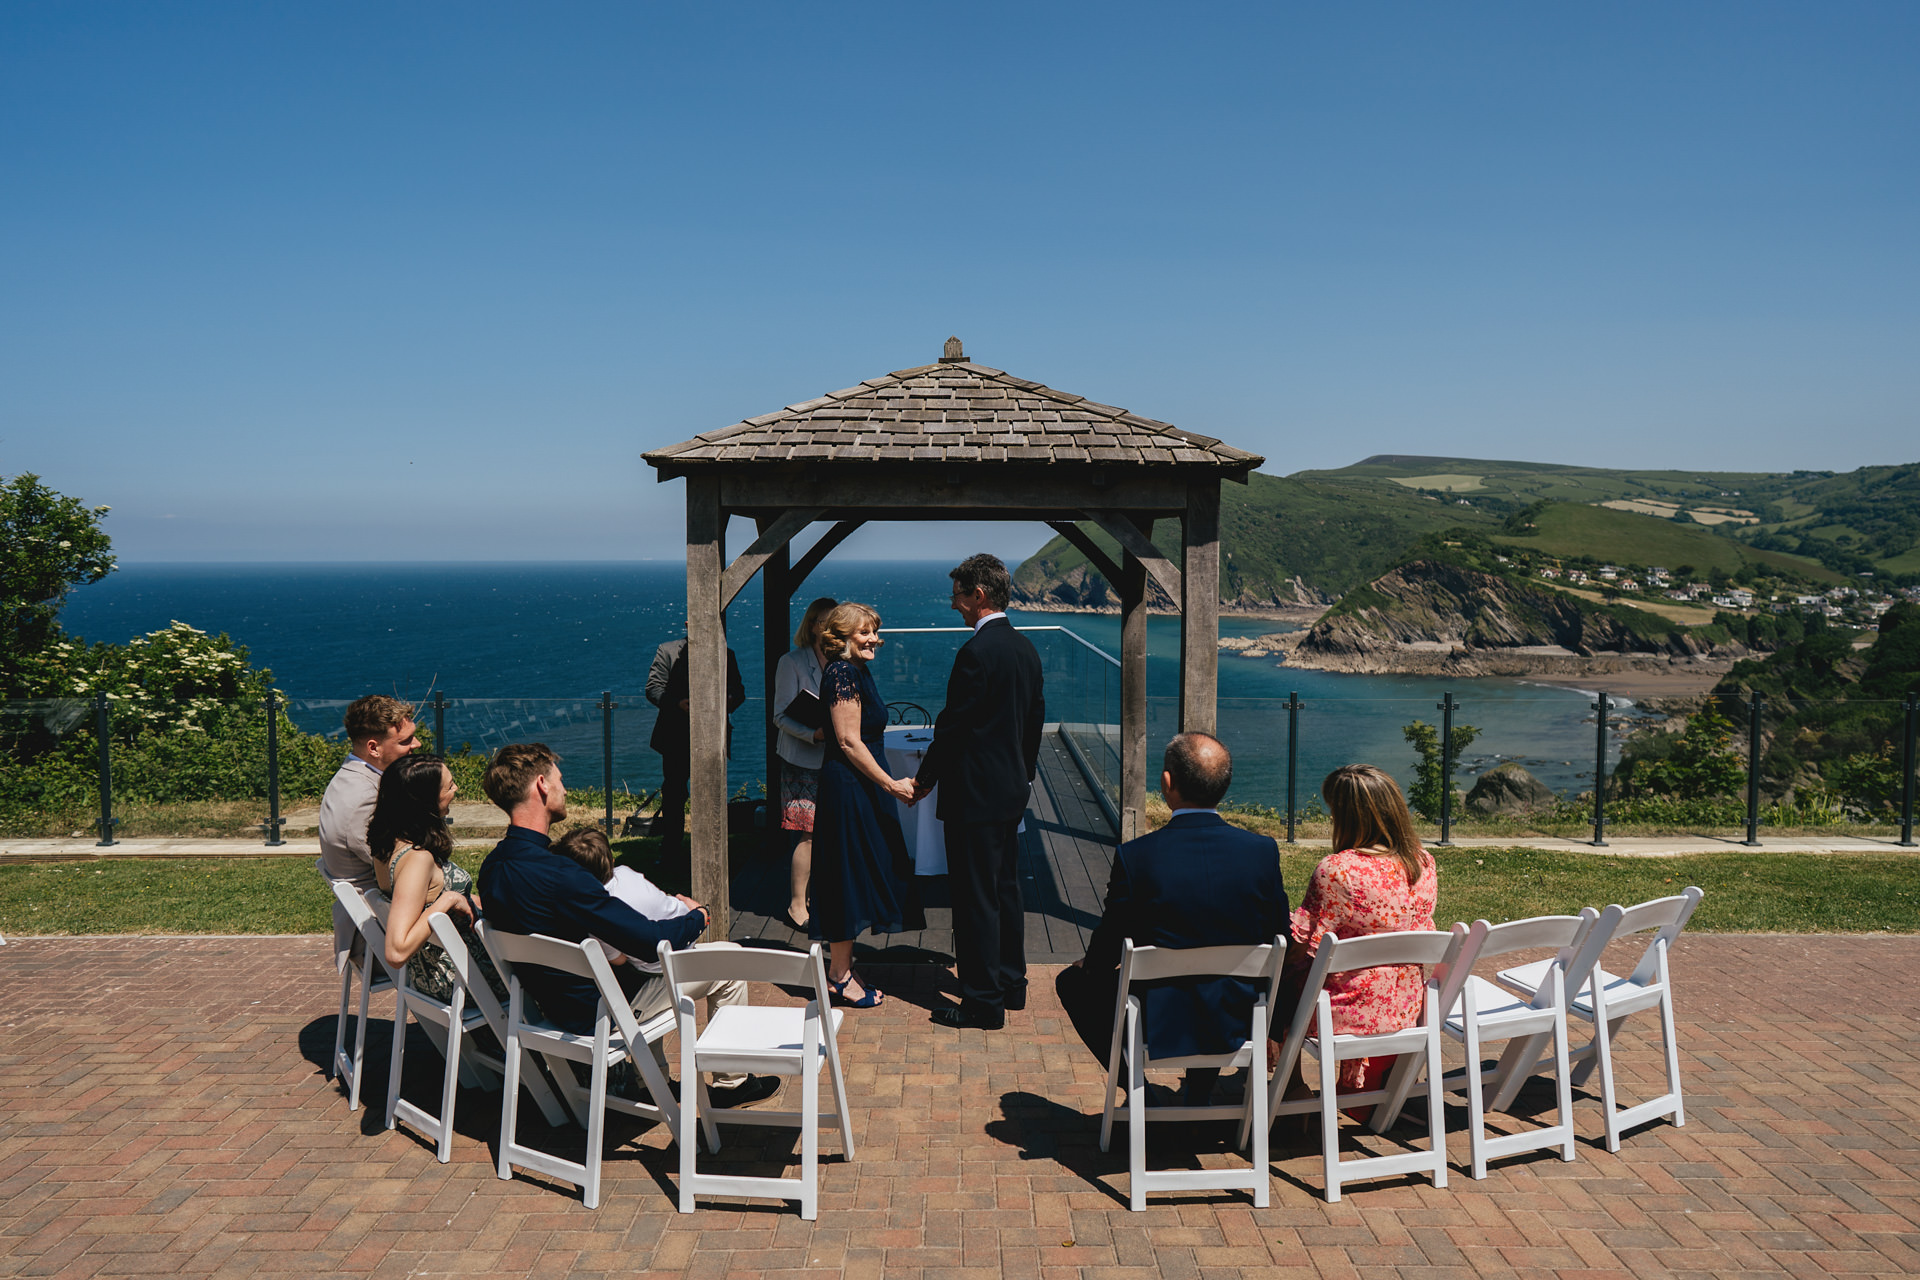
column 776, row 625
column 707, row 691
column 1200, row 609
column 1133, row 697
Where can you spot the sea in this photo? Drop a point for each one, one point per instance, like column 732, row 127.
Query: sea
column 529, row 651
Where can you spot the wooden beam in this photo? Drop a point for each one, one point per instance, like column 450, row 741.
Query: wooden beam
column 1200, row 610
column 921, row 491
column 1133, row 697
column 774, row 536
column 819, row 551
column 1122, row 529
column 1087, row 547
column 776, row 626
column 707, row 699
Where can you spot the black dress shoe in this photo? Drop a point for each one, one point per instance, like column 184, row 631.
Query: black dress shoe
column 749, row 1091
column 1016, row 1000
column 958, row 1016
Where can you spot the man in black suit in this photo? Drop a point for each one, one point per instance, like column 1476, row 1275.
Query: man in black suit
column 986, row 746
column 668, row 689
column 1196, row 882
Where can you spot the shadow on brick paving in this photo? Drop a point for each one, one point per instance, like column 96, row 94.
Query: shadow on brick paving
column 163, row 1107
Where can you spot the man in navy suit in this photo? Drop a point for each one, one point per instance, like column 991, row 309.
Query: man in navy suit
column 1196, row 882
column 986, row 746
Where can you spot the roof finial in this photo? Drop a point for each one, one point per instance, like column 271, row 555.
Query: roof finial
column 953, row 354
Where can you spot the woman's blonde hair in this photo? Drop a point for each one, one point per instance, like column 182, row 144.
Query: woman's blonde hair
column 810, row 622
column 837, row 628
column 1368, row 810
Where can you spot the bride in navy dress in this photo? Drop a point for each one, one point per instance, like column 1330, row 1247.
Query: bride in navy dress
column 862, row 877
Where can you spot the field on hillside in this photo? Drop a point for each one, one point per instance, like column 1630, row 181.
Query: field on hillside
column 1570, row 529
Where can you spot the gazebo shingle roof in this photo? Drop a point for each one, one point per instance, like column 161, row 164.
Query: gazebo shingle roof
column 952, row 411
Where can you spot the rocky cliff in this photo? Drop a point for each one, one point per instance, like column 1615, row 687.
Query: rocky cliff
column 1431, row 616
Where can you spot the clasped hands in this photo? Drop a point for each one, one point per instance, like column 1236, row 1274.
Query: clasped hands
column 909, row 791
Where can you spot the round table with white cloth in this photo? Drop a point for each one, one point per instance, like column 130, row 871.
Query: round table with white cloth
column 906, row 747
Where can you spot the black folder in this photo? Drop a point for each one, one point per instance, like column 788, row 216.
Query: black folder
column 807, row 708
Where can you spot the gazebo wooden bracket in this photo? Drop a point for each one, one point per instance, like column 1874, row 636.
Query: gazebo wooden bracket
column 776, row 535
column 1124, row 531
column 1086, row 546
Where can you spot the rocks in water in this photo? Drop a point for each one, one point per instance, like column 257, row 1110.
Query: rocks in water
column 1509, row 788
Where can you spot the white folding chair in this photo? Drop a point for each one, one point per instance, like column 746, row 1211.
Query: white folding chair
column 617, row 1036
column 1418, row 1047
column 454, row 1019
column 1256, row 962
column 1479, row 1012
column 769, row 1039
column 1604, row 1000
column 371, row 970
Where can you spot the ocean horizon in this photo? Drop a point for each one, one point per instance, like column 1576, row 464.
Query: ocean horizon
column 526, row 648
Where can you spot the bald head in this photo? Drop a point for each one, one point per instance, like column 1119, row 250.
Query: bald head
column 1196, row 771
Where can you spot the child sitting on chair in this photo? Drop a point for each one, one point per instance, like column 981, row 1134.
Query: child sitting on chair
column 589, row 847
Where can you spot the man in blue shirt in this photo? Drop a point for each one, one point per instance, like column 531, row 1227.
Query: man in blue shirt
column 526, row 887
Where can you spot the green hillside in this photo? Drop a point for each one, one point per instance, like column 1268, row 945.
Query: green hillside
column 1322, row 533
column 1519, row 483
column 1334, row 535
column 1573, row 530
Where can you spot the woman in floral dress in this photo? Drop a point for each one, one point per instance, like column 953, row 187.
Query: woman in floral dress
column 1381, row 879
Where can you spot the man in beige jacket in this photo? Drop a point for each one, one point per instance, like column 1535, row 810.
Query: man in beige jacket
column 380, row 730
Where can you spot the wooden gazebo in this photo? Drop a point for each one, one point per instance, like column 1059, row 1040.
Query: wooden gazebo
column 952, row 440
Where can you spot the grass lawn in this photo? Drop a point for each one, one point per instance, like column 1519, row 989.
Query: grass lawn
column 1746, row 892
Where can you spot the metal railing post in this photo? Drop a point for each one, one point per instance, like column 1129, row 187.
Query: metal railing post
column 1910, row 758
column 607, row 705
column 1754, row 708
column 274, row 820
column 1446, row 707
column 439, row 705
column 103, row 725
column 1603, row 707
column 1293, row 755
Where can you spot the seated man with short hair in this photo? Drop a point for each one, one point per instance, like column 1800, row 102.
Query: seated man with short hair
column 1196, row 882
column 528, row 887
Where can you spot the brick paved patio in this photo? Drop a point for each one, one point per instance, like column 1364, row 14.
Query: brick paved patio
column 163, row 1110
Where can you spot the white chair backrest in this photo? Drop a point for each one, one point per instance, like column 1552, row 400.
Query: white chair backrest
column 1482, row 941
column 1411, row 946
column 1666, row 915
column 743, row 964
column 447, row 934
column 1669, row 916
column 586, row 959
column 1243, row 960
column 363, row 918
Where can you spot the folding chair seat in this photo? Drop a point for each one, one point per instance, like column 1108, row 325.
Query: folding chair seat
column 1418, row 1047
column 1604, row 1001
column 1479, row 1012
column 473, row 1006
column 617, row 1036
column 759, row 1038
column 371, row 972
column 1128, row 1051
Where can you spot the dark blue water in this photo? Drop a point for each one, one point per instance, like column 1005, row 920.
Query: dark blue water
column 524, row 651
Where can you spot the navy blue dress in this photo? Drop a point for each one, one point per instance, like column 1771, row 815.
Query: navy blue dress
column 862, row 878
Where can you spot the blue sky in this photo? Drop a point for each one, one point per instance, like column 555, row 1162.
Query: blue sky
column 422, row 281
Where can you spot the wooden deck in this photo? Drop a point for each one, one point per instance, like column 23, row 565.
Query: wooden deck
column 1065, row 856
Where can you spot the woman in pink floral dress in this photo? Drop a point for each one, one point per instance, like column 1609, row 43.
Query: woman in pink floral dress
column 1381, row 880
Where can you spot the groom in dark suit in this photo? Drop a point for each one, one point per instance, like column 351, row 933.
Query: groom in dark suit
column 986, row 746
